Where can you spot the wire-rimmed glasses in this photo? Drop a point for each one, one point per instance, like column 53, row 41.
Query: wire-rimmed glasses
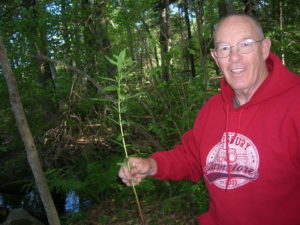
column 245, row 46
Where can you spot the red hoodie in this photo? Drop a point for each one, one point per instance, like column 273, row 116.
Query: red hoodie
column 249, row 156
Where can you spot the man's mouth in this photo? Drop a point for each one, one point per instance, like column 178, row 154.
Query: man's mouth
column 237, row 70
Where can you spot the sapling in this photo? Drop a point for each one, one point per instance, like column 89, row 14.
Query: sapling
column 124, row 68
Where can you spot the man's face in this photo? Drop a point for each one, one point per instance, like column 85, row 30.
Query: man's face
column 243, row 72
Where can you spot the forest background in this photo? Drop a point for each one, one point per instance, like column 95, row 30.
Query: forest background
column 75, row 60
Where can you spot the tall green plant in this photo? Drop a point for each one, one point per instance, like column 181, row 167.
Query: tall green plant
column 124, row 68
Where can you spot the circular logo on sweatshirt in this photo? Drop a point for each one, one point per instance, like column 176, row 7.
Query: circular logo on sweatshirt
column 233, row 162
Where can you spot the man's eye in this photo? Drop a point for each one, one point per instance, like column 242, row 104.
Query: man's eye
column 245, row 44
column 223, row 48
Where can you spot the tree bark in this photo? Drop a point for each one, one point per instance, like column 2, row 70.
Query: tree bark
column 32, row 154
column 164, row 39
column 188, row 27
column 203, row 45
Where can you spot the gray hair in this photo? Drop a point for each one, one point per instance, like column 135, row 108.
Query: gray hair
column 257, row 24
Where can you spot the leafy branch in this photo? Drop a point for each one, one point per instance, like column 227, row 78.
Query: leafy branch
column 124, row 68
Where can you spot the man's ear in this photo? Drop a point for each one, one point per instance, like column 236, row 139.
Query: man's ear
column 214, row 57
column 266, row 47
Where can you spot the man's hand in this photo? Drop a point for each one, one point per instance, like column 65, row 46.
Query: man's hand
column 139, row 168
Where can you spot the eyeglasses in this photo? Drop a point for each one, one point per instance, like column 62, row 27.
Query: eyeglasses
column 243, row 47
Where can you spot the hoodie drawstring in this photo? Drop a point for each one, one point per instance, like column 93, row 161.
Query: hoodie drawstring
column 227, row 145
column 227, row 140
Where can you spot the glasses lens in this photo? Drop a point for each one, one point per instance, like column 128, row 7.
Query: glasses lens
column 246, row 46
column 222, row 51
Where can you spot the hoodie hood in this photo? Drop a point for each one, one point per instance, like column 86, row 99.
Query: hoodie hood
column 278, row 80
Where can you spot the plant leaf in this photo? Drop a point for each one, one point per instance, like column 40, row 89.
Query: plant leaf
column 123, row 109
column 111, row 61
column 110, row 88
column 124, row 163
column 102, row 99
column 107, row 78
column 135, row 95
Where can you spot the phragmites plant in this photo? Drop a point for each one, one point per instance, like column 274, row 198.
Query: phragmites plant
column 124, row 68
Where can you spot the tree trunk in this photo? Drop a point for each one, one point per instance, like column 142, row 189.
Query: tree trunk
column 37, row 36
column 281, row 32
column 225, row 7
column 202, row 49
column 128, row 29
column 96, row 39
column 146, row 27
column 32, row 154
column 222, row 9
column 229, row 7
column 102, row 34
column 190, row 44
column 67, row 37
column 164, row 39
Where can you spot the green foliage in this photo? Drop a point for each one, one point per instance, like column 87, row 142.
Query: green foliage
column 90, row 182
column 79, row 218
column 101, row 178
column 181, row 195
column 62, row 181
column 3, row 149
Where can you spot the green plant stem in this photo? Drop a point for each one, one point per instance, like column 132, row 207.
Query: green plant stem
column 121, row 129
column 126, row 154
column 138, row 203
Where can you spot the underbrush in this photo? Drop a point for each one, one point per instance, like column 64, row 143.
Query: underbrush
column 163, row 202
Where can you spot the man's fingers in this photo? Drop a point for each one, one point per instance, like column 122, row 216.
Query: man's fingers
column 135, row 172
column 124, row 173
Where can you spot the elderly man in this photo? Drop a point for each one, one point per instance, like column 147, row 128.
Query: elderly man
column 246, row 140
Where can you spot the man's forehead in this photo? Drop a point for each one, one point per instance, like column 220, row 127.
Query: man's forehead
column 244, row 38
column 240, row 27
column 236, row 19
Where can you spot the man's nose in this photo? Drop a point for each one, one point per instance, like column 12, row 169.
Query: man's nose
column 234, row 54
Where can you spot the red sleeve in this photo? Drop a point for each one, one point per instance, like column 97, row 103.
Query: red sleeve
column 182, row 162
